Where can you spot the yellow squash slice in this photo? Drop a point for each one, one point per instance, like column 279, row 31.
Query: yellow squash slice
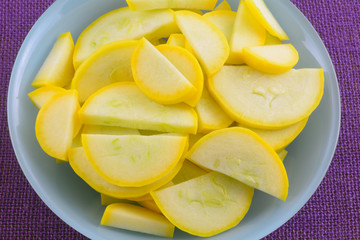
column 271, row 40
column 57, row 68
column 56, row 122
column 109, row 64
column 133, row 160
column 206, row 205
column 278, row 139
column 123, row 104
column 135, row 218
column 275, row 59
column 141, row 5
column 83, row 168
column 210, row 114
column 243, row 155
column 246, row 32
column 188, row 65
column 150, row 204
column 188, row 171
column 41, row 95
column 157, row 77
column 283, row 154
column 223, row 6
column 176, row 39
column 213, row 52
column 224, row 20
column 268, row 101
column 108, row 130
column 263, row 15
column 123, row 24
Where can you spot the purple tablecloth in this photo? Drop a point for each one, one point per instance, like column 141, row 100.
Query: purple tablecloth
column 333, row 212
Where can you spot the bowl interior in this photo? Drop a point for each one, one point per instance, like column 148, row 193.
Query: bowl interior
column 79, row 206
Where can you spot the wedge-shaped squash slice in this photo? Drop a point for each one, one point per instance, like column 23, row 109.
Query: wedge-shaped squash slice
column 149, row 204
column 123, row 104
column 206, row 205
column 140, row 5
column 213, row 52
column 210, row 114
column 243, row 155
column 188, row 171
column 157, row 77
column 271, row 58
column 224, row 20
column 58, row 67
column 278, row 139
column 55, row 124
column 83, row 168
column 177, row 39
column 135, row 218
column 133, row 160
column 223, row 6
column 123, row 24
column 188, row 65
column 282, row 154
column 268, row 101
column 271, row 40
column 263, row 15
column 246, row 32
column 108, row 130
column 41, row 95
column 109, row 64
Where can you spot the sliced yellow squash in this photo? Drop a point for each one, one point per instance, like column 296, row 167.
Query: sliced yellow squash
column 109, row 64
column 224, row 20
column 57, row 68
column 188, row 171
column 283, row 154
column 277, row 58
column 150, row 204
column 133, row 160
column 206, row 205
column 246, row 32
column 108, row 130
column 123, row 24
column 243, row 155
column 83, row 168
column 223, row 6
column 56, row 122
column 210, row 114
column 41, row 95
column 271, row 40
column 135, row 218
column 212, row 53
column 268, row 101
column 141, row 5
column 278, row 139
column 188, row 65
column 176, row 39
column 123, row 104
column 157, row 77
column 264, row 16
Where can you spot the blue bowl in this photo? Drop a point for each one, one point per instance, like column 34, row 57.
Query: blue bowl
column 79, row 206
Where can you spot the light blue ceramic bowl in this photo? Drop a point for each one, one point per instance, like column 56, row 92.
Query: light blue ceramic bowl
column 79, row 206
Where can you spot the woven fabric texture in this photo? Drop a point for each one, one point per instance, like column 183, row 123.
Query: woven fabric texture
column 333, row 212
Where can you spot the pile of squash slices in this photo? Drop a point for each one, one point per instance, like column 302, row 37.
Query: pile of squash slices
column 175, row 116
